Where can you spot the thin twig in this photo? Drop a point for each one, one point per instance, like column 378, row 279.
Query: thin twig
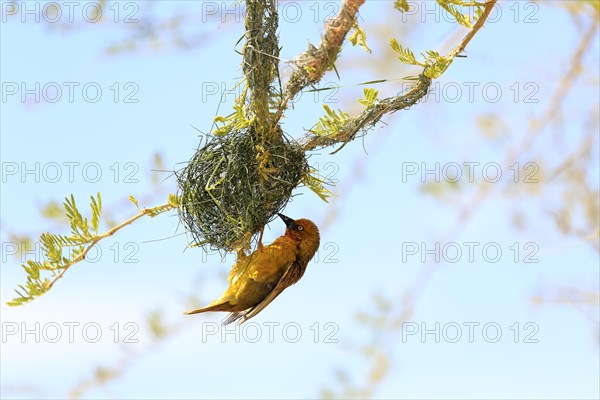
column 110, row 232
column 373, row 114
column 478, row 25
column 311, row 65
column 369, row 117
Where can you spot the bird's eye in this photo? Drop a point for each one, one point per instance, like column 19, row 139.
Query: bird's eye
column 300, row 228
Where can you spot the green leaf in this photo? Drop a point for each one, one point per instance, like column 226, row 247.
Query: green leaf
column 134, row 201
column 96, row 206
column 456, row 8
column 401, row 5
column 317, row 185
column 173, row 200
column 52, row 210
column 434, row 63
column 239, row 119
column 359, row 36
column 53, row 247
column 437, row 64
column 370, row 97
column 19, row 301
column 405, row 55
column 331, row 123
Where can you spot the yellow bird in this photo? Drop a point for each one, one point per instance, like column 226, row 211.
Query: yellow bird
column 255, row 280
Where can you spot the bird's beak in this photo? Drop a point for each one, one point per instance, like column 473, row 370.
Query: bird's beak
column 288, row 221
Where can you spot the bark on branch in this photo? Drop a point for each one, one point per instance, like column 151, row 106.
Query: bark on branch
column 311, row 65
column 261, row 60
column 361, row 123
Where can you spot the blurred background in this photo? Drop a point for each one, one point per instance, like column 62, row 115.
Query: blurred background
column 459, row 253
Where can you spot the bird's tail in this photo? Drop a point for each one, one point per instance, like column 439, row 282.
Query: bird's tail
column 233, row 316
column 216, row 307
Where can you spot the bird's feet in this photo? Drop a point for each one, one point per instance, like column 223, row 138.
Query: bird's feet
column 241, row 254
column 260, row 245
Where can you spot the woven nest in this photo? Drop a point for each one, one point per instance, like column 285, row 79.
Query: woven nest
column 234, row 185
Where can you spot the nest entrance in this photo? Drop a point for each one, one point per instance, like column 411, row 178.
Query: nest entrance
column 234, row 184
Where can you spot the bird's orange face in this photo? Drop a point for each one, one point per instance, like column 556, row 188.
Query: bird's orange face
column 306, row 234
column 300, row 229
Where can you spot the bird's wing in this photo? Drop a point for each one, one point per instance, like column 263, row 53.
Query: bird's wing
column 281, row 285
column 238, row 269
column 264, row 264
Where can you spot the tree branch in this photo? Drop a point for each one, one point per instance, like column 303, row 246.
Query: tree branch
column 261, row 60
column 478, row 25
column 362, row 122
column 82, row 240
column 312, row 64
column 145, row 211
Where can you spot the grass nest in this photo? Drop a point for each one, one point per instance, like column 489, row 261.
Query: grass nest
column 235, row 184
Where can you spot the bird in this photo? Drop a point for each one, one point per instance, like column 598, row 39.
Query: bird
column 255, row 280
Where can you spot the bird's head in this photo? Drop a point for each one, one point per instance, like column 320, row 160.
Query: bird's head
column 305, row 233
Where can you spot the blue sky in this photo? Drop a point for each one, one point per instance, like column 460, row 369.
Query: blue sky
column 378, row 213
